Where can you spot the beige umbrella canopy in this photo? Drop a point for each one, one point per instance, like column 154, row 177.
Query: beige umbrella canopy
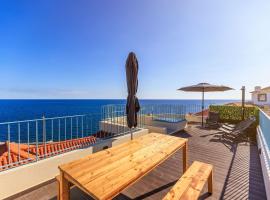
column 205, row 87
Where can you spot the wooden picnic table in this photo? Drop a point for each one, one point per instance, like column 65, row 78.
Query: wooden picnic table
column 104, row 174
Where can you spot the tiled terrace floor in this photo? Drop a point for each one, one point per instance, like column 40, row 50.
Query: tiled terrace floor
column 237, row 171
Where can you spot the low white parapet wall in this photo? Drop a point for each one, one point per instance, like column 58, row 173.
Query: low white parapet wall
column 264, row 158
column 19, row 179
column 113, row 126
column 262, row 130
column 155, row 129
column 118, row 124
column 160, row 126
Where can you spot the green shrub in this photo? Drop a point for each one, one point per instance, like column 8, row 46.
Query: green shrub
column 233, row 114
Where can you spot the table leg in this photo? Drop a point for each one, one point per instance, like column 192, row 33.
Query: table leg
column 185, row 149
column 210, row 183
column 64, row 187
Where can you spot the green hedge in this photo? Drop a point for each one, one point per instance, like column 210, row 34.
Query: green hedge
column 233, row 114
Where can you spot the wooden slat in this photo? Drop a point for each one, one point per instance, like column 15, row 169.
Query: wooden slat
column 137, row 156
column 113, row 156
column 227, row 127
column 103, row 175
column 225, row 130
column 112, row 183
column 96, row 157
column 230, row 125
column 191, row 183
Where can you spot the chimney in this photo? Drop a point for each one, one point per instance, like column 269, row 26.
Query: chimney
column 258, row 88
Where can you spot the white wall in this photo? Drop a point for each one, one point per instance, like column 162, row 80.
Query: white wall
column 163, row 127
column 118, row 126
column 113, row 127
column 254, row 97
column 264, row 158
column 21, row 178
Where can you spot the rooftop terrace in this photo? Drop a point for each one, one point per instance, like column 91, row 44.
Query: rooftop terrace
column 237, row 170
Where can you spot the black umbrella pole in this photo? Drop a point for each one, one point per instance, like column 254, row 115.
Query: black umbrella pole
column 131, row 134
column 243, row 102
column 202, row 106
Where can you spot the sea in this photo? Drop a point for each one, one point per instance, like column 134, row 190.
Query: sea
column 20, row 110
column 15, row 110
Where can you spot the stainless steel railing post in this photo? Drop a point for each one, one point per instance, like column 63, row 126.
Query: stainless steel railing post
column 36, row 140
column 9, row 160
column 19, row 141
column 44, row 134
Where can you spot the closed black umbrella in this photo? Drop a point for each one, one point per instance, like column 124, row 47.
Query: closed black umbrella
column 205, row 87
column 132, row 106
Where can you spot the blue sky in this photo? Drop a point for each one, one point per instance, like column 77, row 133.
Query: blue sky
column 77, row 49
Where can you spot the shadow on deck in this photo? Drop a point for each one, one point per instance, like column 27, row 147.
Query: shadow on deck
column 237, row 170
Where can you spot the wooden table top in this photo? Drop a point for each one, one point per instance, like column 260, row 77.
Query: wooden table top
column 105, row 174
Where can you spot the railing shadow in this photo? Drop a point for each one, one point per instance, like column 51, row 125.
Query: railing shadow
column 243, row 166
column 227, row 140
column 230, row 140
column 257, row 188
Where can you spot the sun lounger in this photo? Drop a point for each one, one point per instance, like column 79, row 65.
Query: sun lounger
column 213, row 120
column 238, row 129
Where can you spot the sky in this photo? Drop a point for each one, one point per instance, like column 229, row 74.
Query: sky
column 77, row 49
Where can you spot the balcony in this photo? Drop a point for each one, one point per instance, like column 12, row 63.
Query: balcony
column 237, row 170
column 238, row 173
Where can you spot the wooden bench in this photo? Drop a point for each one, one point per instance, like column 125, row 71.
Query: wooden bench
column 190, row 185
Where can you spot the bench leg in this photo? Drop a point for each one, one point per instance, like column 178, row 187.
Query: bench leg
column 210, row 183
column 185, row 149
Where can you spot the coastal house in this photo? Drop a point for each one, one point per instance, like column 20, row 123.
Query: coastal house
column 261, row 96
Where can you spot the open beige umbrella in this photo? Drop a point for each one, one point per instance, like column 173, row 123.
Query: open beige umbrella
column 132, row 106
column 205, row 87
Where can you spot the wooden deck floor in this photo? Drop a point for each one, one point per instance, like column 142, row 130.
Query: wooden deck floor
column 237, row 171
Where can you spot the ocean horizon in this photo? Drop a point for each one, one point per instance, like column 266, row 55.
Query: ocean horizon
column 27, row 109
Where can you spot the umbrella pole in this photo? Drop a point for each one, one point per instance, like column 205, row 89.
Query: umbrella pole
column 202, row 105
column 243, row 102
column 131, row 134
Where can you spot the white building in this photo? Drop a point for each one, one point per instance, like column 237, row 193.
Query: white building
column 261, row 96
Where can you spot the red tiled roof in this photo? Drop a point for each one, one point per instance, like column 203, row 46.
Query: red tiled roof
column 266, row 89
column 205, row 113
column 27, row 153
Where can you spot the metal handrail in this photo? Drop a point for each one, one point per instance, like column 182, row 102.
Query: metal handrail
column 40, row 119
column 38, row 139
